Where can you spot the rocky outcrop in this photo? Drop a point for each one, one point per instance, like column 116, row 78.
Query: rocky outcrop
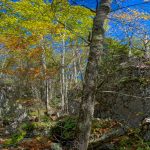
column 126, row 95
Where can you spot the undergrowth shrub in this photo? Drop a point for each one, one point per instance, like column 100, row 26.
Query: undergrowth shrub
column 64, row 130
column 28, row 127
column 15, row 138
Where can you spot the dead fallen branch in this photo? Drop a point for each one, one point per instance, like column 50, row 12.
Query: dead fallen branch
column 97, row 143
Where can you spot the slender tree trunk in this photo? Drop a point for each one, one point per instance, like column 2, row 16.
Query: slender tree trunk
column 91, row 75
column 75, row 66
column 51, row 89
column 46, row 83
column 47, row 95
column 63, row 76
column 78, row 64
column 36, row 95
column 66, row 95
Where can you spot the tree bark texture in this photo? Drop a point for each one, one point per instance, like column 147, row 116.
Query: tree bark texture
column 91, row 75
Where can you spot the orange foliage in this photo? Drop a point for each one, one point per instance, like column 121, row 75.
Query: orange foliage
column 35, row 53
column 36, row 144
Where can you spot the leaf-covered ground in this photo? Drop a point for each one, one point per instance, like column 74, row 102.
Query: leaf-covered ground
column 59, row 133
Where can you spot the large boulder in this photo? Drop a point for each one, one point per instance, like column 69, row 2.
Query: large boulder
column 126, row 95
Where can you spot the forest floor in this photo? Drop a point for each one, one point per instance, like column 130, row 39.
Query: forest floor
column 28, row 144
column 32, row 136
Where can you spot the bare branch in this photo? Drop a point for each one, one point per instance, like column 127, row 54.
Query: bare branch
column 130, row 6
column 123, row 94
column 94, row 11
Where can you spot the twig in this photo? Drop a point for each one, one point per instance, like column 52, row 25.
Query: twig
column 122, row 94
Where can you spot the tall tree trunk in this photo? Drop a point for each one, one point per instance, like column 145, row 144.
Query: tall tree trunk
column 46, row 82
column 63, row 76
column 66, row 94
column 75, row 67
column 36, row 94
column 47, row 95
column 78, row 65
column 51, row 89
column 91, row 74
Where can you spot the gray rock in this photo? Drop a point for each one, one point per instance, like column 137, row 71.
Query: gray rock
column 126, row 96
column 56, row 146
column 146, row 136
